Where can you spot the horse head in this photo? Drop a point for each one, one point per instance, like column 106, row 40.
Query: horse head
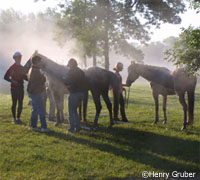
column 132, row 74
column 50, row 67
column 27, row 66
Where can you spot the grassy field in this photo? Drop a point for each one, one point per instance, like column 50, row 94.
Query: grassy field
column 123, row 152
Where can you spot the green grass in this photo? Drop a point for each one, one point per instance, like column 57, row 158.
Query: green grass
column 124, row 151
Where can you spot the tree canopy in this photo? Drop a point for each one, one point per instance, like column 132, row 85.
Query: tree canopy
column 195, row 4
column 102, row 25
column 186, row 50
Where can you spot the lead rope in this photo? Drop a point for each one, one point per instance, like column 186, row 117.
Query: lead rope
column 127, row 100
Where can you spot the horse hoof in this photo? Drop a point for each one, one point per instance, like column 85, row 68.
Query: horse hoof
column 57, row 124
column 155, row 122
column 93, row 129
column 183, row 128
column 189, row 123
column 164, row 122
column 110, row 127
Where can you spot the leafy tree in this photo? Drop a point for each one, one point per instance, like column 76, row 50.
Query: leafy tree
column 186, row 50
column 78, row 19
column 10, row 17
column 101, row 25
column 154, row 52
column 195, row 4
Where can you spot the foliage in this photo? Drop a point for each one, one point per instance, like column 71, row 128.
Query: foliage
column 123, row 152
column 101, row 25
column 9, row 18
column 154, row 51
column 195, row 4
column 186, row 50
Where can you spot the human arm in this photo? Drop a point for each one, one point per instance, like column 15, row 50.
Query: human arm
column 7, row 76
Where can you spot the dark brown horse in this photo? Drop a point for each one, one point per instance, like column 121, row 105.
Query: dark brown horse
column 99, row 83
column 166, row 83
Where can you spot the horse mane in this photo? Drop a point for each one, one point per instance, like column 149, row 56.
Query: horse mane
column 151, row 68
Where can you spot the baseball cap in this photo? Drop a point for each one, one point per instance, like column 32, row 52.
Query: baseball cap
column 17, row 53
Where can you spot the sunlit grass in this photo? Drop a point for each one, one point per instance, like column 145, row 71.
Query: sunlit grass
column 121, row 152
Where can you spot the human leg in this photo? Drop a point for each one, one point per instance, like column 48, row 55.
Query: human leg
column 14, row 104
column 20, row 103
column 34, row 111
column 122, row 108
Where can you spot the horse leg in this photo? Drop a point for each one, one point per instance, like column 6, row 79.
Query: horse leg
column 58, row 116
column 85, row 102
column 165, row 108
column 109, row 106
column 190, row 107
column 57, row 101
column 80, row 110
column 62, row 107
column 96, row 99
column 155, row 96
column 51, row 105
column 184, row 105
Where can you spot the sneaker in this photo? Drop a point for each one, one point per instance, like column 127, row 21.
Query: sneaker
column 125, row 120
column 14, row 121
column 34, row 128
column 44, row 130
column 78, row 129
column 19, row 121
column 71, row 131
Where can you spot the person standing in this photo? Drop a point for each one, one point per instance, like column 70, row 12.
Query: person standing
column 16, row 76
column 77, row 85
column 118, row 68
column 35, row 88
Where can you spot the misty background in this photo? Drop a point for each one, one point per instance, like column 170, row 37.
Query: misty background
column 27, row 33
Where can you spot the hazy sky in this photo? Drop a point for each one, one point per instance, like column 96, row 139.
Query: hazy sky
column 28, row 6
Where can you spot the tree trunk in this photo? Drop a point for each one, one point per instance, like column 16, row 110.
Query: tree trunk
column 94, row 59
column 106, row 52
column 106, row 38
column 84, row 60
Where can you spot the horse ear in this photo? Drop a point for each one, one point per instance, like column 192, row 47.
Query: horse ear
column 35, row 53
column 132, row 62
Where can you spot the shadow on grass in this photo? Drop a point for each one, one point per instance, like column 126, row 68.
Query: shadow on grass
column 142, row 147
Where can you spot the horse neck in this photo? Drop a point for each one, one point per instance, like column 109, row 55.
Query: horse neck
column 54, row 69
column 158, row 75
column 145, row 72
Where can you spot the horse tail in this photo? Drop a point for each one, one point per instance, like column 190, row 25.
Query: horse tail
column 85, row 102
column 191, row 99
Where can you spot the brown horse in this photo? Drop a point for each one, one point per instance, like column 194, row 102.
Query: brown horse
column 166, row 83
column 99, row 82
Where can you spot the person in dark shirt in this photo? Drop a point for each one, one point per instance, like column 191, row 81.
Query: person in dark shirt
column 77, row 85
column 16, row 76
column 118, row 68
column 35, row 88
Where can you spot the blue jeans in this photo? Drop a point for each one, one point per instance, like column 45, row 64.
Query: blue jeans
column 37, row 109
column 74, row 100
